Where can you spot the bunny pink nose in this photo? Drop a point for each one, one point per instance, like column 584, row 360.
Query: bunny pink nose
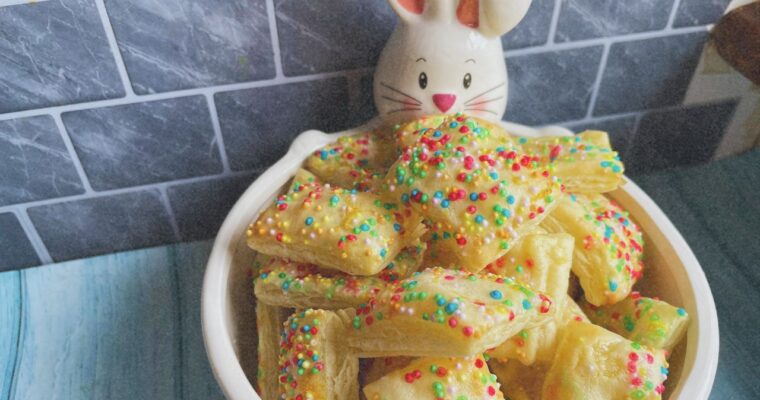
column 444, row 101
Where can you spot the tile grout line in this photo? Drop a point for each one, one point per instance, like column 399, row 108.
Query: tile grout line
column 162, row 190
column 554, row 22
column 175, row 94
column 604, row 40
column 218, row 132
column 598, row 80
column 125, row 190
column 31, row 233
column 672, row 16
column 114, row 45
column 634, row 131
column 72, row 153
column 275, row 38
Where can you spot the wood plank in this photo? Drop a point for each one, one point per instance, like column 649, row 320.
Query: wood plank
column 10, row 324
column 101, row 328
column 197, row 379
column 735, row 295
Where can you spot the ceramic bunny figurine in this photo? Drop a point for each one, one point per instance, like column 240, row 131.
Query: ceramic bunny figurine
column 446, row 57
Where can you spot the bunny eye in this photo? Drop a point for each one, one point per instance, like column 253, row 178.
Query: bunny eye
column 422, row 80
column 467, row 80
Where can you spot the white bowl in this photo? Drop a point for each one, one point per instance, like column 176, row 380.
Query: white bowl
column 228, row 317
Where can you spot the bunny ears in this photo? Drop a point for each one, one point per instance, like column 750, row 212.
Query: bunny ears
column 489, row 17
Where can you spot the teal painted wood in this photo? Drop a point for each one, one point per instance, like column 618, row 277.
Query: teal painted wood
column 100, row 328
column 197, row 379
column 712, row 207
column 10, row 324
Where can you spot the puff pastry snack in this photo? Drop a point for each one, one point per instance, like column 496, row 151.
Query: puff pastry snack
column 440, row 312
column 648, row 321
column 314, row 362
column 269, row 320
column 354, row 162
column 335, row 228
column 286, row 283
column 478, row 195
column 593, row 363
column 437, row 378
column 608, row 245
column 584, row 162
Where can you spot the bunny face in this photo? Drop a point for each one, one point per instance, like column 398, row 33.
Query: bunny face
column 446, row 57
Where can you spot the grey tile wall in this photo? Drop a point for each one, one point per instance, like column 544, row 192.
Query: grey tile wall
column 200, row 207
column 649, row 73
column 186, row 101
column 143, row 143
column 587, row 19
column 552, row 86
column 259, row 124
column 100, row 225
column 53, row 53
column 180, row 44
column 700, row 12
column 15, row 249
column 34, row 162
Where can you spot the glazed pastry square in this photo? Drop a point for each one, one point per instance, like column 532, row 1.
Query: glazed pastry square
column 314, row 362
column 437, row 378
column 440, row 312
column 334, row 228
column 608, row 246
column 593, row 363
column 478, row 195
column 269, row 320
column 291, row 284
column 537, row 346
column 651, row 322
column 354, row 162
column 518, row 382
column 585, row 162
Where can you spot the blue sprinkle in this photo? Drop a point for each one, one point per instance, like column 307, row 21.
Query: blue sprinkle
column 435, row 236
column 453, row 124
column 437, row 134
column 479, row 219
column 527, row 305
column 306, row 328
column 664, row 371
column 605, row 164
column 495, row 294
column 506, row 213
column 440, row 301
column 414, row 192
column 445, row 204
column 616, row 168
column 451, row 308
column 438, row 195
column 285, row 285
column 309, row 221
column 510, row 199
column 364, row 227
column 681, row 312
column 383, row 253
column 473, row 196
column 323, row 154
column 405, row 198
column 613, row 286
column 446, row 235
column 494, row 176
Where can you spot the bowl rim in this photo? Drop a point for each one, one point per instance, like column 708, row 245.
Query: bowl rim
column 217, row 340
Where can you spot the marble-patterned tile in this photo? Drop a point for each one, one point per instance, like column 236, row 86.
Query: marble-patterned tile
column 143, row 143
column 699, row 12
column 649, row 73
column 678, row 137
column 15, row 249
column 552, row 86
column 619, row 129
column 179, row 44
column 363, row 106
column 200, row 207
column 587, row 19
column 259, row 124
column 100, row 225
column 34, row 161
column 318, row 36
column 533, row 30
column 52, row 53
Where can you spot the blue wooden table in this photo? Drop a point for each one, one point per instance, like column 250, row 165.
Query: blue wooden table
column 127, row 325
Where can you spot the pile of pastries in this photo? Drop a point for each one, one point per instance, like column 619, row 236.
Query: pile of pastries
column 448, row 259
